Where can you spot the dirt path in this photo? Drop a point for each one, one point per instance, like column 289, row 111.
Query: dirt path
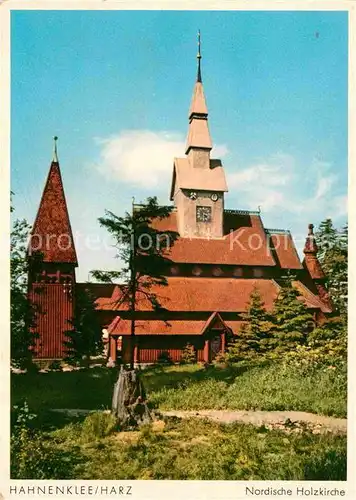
column 292, row 420
column 286, row 420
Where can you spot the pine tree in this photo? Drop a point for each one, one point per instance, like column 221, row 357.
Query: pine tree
column 141, row 248
column 291, row 319
column 84, row 336
column 333, row 256
column 22, row 313
column 326, row 238
column 254, row 337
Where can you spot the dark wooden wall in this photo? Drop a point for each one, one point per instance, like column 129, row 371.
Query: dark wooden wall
column 149, row 348
column 54, row 304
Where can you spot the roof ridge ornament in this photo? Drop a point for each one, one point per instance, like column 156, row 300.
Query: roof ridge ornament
column 55, row 152
column 199, row 58
column 310, row 242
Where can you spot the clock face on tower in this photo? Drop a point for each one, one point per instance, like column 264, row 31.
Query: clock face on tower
column 203, row 214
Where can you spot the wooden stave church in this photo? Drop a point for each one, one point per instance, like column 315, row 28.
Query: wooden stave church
column 216, row 264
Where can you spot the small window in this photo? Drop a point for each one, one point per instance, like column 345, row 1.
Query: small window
column 196, row 271
column 257, row 273
column 238, row 272
column 174, row 270
column 217, row 271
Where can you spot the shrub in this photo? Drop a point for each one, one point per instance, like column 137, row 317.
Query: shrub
column 55, row 365
column 98, row 425
column 33, row 456
column 221, row 358
column 189, row 355
column 164, row 358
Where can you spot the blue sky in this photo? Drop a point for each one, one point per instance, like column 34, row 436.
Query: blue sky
column 115, row 86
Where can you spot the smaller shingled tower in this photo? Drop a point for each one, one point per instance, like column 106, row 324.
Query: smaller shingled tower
column 52, row 262
column 312, row 265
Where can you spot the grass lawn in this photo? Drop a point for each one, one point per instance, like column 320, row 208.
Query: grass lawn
column 91, row 448
column 187, row 449
column 192, row 387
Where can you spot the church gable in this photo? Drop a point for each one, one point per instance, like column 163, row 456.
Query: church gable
column 191, row 179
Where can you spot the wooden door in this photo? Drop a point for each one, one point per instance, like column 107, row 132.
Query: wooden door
column 215, row 346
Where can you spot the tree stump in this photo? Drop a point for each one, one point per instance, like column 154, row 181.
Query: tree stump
column 129, row 400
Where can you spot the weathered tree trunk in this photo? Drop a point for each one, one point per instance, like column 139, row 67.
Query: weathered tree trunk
column 129, row 400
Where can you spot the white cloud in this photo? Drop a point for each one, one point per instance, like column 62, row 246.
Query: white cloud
column 279, row 183
column 265, row 183
column 143, row 158
column 324, row 186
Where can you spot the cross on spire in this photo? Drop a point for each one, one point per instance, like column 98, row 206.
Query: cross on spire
column 55, row 153
column 199, row 58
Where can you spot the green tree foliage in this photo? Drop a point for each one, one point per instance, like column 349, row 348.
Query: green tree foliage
column 141, row 247
column 329, row 340
column 254, row 337
column 291, row 319
column 333, row 256
column 22, row 313
column 85, row 332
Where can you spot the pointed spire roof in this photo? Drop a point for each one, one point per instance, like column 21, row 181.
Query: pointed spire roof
column 198, row 134
column 198, row 105
column 311, row 261
column 52, row 233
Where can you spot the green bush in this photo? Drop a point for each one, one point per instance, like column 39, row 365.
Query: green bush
column 55, row 365
column 164, row 358
column 33, row 453
column 98, row 425
column 189, row 355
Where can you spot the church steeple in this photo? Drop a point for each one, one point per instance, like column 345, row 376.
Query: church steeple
column 198, row 182
column 52, row 260
column 199, row 143
column 52, row 233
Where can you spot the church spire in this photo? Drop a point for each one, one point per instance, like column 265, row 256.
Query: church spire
column 51, row 235
column 198, row 134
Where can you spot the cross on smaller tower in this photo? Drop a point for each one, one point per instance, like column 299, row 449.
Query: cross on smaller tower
column 199, row 58
column 55, row 153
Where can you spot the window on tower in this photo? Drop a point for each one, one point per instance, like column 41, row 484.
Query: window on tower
column 257, row 272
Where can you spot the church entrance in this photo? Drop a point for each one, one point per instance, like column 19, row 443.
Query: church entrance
column 215, row 346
